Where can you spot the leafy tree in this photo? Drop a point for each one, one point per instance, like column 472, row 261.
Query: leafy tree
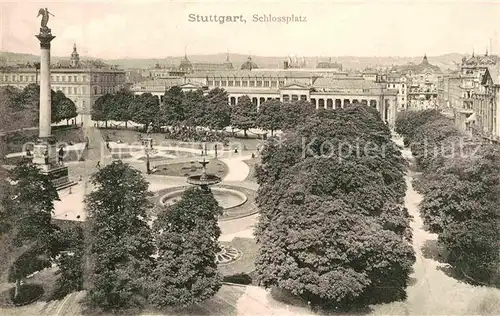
column 121, row 104
column 295, row 112
column 174, row 112
column 63, row 108
column 187, row 236
column 26, row 218
column 120, row 240
column 100, row 108
column 270, row 116
column 18, row 108
column 244, row 114
column 218, row 109
column 145, row 109
column 193, row 104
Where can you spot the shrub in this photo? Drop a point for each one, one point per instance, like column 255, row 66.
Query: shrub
column 239, row 278
column 28, row 293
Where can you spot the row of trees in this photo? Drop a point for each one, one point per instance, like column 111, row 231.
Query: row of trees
column 332, row 226
column 193, row 108
column 122, row 257
column 20, row 107
column 460, row 184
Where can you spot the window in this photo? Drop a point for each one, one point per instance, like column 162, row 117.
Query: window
column 274, row 84
column 237, row 83
column 217, row 83
column 259, row 83
column 281, row 83
column 84, row 78
column 75, row 90
column 223, row 83
column 69, row 78
column 32, row 78
column 266, row 83
column 63, row 78
column 251, row 83
column 210, row 82
column 244, row 83
column 83, row 90
column 75, row 79
column 295, row 97
column 230, row 83
column 21, row 78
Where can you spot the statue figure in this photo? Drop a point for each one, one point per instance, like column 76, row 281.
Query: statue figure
column 150, row 128
column 45, row 18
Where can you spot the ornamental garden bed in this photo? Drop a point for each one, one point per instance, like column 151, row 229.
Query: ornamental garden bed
column 185, row 169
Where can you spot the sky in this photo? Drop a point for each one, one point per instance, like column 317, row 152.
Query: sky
column 157, row 29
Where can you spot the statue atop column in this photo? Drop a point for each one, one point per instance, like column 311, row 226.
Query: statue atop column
column 44, row 29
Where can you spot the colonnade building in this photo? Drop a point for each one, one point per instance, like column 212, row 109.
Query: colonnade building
column 286, row 86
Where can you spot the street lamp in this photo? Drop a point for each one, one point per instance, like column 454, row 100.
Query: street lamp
column 148, row 149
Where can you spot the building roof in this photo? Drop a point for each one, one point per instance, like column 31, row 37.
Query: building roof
column 249, row 65
column 480, row 60
column 492, row 72
column 329, row 64
column 345, row 83
column 159, row 83
column 420, row 68
column 253, row 73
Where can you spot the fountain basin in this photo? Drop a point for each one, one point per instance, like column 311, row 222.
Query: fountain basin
column 227, row 198
column 207, row 179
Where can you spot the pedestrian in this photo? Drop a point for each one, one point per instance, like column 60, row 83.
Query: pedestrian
column 98, row 165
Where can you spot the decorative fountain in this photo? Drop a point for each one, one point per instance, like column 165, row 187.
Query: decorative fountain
column 227, row 254
column 204, row 180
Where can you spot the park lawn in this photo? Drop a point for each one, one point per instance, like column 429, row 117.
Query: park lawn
column 252, row 163
column 185, row 169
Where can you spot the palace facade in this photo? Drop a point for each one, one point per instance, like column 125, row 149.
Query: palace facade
column 82, row 82
column 286, row 86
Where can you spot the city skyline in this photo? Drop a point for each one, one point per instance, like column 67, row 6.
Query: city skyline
column 124, row 30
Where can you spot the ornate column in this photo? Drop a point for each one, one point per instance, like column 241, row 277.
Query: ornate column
column 45, row 37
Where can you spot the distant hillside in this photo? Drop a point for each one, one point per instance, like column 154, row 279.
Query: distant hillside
column 445, row 62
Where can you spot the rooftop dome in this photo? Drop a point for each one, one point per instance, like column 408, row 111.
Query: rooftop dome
column 249, row 65
column 185, row 65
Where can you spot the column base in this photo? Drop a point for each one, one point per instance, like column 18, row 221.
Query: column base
column 59, row 176
column 45, row 157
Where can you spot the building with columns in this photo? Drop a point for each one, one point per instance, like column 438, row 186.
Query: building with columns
column 81, row 81
column 287, row 86
column 486, row 105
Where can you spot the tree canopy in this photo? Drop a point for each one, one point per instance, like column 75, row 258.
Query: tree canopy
column 186, row 235
column 460, row 184
column 120, row 240
column 332, row 227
